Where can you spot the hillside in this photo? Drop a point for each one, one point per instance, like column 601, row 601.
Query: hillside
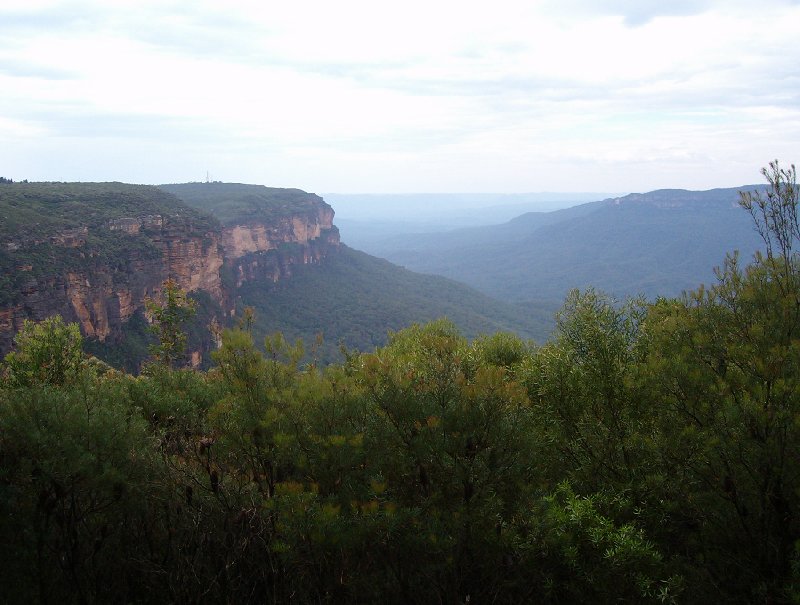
column 50, row 229
column 367, row 220
column 355, row 298
column 352, row 298
column 657, row 244
column 94, row 252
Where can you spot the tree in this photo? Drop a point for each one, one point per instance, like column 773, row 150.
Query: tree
column 723, row 364
column 168, row 317
column 47, row 352
column 775, row 212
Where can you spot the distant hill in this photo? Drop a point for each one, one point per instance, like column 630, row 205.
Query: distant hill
column 657, row 244
column 367, row 219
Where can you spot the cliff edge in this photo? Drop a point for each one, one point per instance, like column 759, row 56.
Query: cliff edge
column 92, row 252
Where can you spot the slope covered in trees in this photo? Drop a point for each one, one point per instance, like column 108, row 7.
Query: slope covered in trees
column 351, row 298
column 355, row 299
column 94, row 252
column 649, row 453
column 657, row 244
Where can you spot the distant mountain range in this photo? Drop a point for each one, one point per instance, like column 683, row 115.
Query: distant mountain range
column 656, row 244
column 367, row 219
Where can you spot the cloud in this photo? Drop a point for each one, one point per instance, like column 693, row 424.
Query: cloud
column 337, row 87
column 16, row 68
column 633, row 12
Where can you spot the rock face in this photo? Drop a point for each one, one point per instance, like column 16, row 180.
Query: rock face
column 102, row 297
column 64, row 274
column 258, row 251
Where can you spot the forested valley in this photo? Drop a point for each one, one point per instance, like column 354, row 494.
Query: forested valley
column 650, row 452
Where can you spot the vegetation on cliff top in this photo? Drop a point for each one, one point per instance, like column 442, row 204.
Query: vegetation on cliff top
column 48, row 229
column 236, row 203
column 35, row 211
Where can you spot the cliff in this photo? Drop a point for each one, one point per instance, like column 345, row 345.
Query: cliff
column 266, row 231
column 93, row 252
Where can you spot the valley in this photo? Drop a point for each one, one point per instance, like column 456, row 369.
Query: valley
column 653, row 244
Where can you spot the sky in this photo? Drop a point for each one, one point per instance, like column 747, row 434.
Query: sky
column 414, row 96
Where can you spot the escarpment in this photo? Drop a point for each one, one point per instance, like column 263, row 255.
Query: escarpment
column 258, row 251
column 93, row 252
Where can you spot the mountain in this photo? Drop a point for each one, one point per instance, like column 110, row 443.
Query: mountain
column 351, row 298
column 367, row 219
column 657, row 244
column 94, row 252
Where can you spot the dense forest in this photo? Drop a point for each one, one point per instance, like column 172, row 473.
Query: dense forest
column 649, row 452
column 354, row 298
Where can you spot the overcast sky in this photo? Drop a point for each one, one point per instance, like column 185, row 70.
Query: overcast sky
column 411, row 96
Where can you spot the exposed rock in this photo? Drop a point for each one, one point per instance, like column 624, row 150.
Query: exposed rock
column 70, row 238
column 239, row 240
column 103, row 295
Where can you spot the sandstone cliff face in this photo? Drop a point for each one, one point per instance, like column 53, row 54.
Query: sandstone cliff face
column 277, row 264
column 101, row 297
column 102, row 294
column 257, row 251
column 239, row 240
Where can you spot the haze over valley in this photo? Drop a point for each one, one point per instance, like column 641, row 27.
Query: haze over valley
column 659, row 243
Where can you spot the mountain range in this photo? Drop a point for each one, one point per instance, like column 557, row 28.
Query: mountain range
column 655, row 244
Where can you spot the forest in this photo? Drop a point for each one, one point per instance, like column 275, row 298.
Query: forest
column 649, row 452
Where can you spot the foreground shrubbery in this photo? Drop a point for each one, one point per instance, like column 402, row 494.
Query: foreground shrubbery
column 650, row 452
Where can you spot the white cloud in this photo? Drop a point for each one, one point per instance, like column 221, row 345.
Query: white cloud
column 420, row 96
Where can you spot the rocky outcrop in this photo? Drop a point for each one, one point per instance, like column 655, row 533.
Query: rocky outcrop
column 192, row 262
column 101, row 296
column 103, row 292
column 238, row 240
column 277, row 263
column 258, row 251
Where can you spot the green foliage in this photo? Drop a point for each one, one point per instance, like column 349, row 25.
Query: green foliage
column 74, row 470
column 48, row 352
column 581, row 383
column 379, row 297
column 39, row 210
column 235, row 203
column 648, row 453
column 168, row 317
column 726, row 361
column 775, row 212
column 594, row 559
